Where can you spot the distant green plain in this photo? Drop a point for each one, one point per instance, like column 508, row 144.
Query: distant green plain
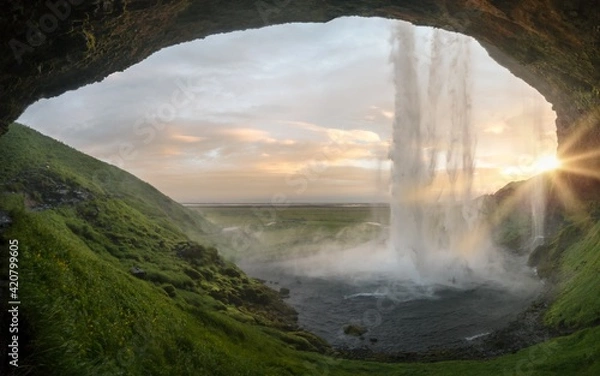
column 267, row 232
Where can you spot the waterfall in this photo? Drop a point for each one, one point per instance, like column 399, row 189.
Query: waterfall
column 408, row 167
column 432, row 154
column 538, row 191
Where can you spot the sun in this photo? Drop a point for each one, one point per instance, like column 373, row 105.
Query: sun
column 547, row 163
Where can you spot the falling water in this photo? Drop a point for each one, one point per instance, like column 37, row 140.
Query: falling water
column 432, row 174
column 408, row 169
column 537, row 193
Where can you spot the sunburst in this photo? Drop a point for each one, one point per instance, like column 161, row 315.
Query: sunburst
column 547, row 163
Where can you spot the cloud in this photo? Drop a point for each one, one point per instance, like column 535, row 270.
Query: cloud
column 186, row 138
column 225, row 185
column 266, row 104
column 247, row 135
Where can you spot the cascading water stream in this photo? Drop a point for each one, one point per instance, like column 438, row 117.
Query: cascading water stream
column 408, row 169
column 432, row 217
column 538, row 192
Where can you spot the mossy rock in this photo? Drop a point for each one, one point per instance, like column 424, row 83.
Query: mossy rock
column 354, row 330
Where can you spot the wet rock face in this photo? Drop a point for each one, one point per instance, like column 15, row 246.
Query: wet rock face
column 59, row 45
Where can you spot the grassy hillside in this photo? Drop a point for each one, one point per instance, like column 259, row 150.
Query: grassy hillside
column 83, row 225
column 31, row 163
column 576, row 268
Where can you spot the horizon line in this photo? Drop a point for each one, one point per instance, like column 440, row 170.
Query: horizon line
column 284, row 204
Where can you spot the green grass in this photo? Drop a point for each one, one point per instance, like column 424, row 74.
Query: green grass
column 578, row 301
column 90, row 318
column 83, row 313
column 268, row 232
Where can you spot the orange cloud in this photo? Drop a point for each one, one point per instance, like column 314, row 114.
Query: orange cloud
column 186, row 138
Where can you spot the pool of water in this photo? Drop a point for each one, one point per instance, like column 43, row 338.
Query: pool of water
column 398, row 315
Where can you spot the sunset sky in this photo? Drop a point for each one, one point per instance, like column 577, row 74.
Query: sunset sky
column 301, row 112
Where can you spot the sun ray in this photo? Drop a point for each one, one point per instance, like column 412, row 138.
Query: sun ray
column 582, row 127
column 561, row 189
column 510, row 204
column 583, row 171
column 477, row 238
column 591, row 154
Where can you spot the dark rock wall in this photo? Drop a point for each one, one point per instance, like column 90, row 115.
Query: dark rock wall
column 60, row 45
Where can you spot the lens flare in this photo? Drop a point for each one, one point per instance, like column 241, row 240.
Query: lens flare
column 547, row 163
